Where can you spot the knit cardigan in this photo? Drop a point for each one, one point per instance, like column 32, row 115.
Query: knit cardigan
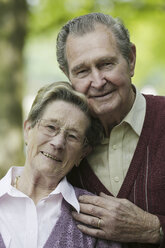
column 144, row 184
column 66, row 234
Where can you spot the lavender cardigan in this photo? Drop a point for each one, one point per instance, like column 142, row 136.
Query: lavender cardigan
column 65, row 233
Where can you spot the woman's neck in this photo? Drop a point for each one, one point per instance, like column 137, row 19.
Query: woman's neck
column 35, row 185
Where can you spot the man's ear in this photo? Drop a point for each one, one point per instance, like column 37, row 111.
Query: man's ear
column 132, row 59
column 27, row 127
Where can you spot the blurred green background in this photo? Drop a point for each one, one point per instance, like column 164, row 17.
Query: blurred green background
column 28, row 31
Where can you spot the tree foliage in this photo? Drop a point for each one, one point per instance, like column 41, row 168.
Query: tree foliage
column 144, row 18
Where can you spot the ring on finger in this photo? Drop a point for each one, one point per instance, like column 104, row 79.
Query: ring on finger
column 98, row 223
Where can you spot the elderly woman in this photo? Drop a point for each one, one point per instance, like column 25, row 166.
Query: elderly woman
column 36, row 200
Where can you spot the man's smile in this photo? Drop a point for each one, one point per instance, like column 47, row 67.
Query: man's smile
column 104, row 94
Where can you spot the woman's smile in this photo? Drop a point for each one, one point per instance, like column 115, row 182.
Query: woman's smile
column 48, row 155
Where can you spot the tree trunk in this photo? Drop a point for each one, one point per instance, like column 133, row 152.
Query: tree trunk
column 13, row 16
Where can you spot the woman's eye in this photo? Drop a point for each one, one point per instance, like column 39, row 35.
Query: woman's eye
column 51, row 127
column 72, row 137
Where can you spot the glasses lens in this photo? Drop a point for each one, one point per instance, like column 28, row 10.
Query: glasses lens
column 48, row 128
column 51, row 129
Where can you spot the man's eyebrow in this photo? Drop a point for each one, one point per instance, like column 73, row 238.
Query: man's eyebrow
column 99, row 60
column 77, row 67
column 105, row 59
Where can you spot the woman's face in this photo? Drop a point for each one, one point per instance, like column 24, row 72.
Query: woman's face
column 56, row 143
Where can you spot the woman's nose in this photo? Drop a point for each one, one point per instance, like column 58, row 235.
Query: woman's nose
column 58, row 141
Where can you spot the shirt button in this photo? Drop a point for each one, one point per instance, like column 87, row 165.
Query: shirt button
column 114, row 147
column 116, row 179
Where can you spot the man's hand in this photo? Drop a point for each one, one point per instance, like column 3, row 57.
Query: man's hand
column 117, row 219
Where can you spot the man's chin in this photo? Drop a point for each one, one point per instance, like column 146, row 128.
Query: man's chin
column 95, row 111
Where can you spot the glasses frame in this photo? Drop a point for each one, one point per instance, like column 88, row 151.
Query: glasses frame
column 52, row 133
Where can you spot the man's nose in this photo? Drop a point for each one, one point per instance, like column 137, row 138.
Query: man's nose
column 58, row 141
column 97, row 79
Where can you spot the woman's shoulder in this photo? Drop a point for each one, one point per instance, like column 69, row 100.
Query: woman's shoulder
column 80, row 191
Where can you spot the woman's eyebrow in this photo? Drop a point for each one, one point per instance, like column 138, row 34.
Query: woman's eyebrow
column 67, row 128
column 73, row 129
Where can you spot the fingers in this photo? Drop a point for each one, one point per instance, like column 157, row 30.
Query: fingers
column 109, row 198
column 92, row 210
column 100, row 201
column 95, row 200
column 115, row 219
column 88, row 220
column 105, row 196
column 92, row 232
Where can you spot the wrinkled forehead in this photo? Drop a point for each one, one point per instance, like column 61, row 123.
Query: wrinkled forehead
column 99, row 31
column 66, row 114
column 98, row 44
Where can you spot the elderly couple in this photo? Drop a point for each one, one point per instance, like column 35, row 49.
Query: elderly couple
column 110, row 143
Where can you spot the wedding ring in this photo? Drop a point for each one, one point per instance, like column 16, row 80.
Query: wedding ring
column 98, row 223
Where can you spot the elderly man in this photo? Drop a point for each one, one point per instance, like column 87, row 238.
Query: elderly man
column 127, row 170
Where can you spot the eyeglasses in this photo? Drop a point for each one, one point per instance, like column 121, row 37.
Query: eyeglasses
column 51, row 129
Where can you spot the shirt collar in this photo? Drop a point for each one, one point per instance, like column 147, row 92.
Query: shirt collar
column 135, row 117
column 64, row 187
column 7, row 181
column 68, row 193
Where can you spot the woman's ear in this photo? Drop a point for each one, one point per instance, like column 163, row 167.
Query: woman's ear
column 27, row 127
column 86, row 150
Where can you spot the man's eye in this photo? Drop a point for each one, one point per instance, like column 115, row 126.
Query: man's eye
column 108, row 64
column 82, row 72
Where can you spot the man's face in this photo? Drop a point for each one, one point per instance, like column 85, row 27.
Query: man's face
column 98, row 69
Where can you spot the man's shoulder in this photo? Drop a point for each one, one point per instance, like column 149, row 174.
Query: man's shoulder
column 153, row 98
column 155, row 116
column 156, row 103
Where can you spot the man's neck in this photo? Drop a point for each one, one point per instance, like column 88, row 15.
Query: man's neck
column 109, row 121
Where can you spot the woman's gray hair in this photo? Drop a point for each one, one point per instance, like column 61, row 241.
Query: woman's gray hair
column 64, row 91
column 85, row 24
